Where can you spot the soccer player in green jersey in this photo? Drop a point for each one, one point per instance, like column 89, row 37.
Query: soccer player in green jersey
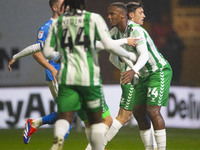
column 74, row 36
column 117, row 15
column 152, row 90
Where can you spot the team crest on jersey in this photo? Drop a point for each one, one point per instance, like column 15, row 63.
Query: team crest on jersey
column 40, row 34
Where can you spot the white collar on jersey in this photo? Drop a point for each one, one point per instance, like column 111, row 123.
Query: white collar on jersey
column 131, row 22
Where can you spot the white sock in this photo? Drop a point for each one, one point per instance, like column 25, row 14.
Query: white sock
column 153, row 136
column 113, row 130
column 89, row 147
column 147, row 139
column 36, row 123
column 87, row 133
column 105, row 129
column 160, row 136
column 61, row 128
column 96, row 136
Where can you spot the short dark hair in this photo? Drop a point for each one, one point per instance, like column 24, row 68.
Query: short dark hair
column 74, row 4
column 132, row 6
column 52, row 2
column 119, row 5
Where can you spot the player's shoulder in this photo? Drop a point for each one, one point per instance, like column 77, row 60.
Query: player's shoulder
column 96, row 16
column 133, row 25
column 43, row 31
column 136, row 28
column 46, row 25
column 54, row 22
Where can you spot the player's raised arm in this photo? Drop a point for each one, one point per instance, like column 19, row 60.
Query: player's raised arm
column 25, row 52
column 130, row 41
column 29, row 50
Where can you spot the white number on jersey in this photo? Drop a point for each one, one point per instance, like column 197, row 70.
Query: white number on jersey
column 152, row 92
column 80, row 39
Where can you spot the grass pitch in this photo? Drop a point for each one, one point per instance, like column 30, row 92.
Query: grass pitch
column 127, row 139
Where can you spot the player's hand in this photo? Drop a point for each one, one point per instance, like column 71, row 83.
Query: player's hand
column 12, row 61
column 132, row 41
column 54, row 73
column 127, row 76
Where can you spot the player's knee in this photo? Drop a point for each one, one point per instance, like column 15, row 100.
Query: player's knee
column 153, row 112
column 139, row 112
column 95, row 117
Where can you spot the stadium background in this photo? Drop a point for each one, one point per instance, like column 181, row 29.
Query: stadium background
column 20, row 21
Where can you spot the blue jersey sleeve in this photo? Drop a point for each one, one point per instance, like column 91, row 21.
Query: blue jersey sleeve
column 43, row 31
column 41, row 37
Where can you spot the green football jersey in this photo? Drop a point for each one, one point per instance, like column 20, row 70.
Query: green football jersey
column 74, row 36
column 155, row 61
column 116, row 34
